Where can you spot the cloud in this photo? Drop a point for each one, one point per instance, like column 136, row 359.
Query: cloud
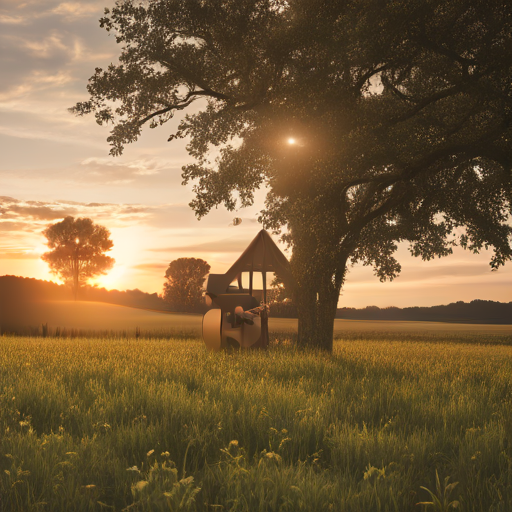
column 44, row 48
column 59, row 43
column 76, row 10
column 112, row 171
column 42, row 212
column 32, row 215
column 151, row 266
column 226, row 245
column 20, row 81
column 23, row 222
column 12, row 20
column 14, row 226
column 45, row 44
column 181, row 215
column 31, row 10
column 46, row 58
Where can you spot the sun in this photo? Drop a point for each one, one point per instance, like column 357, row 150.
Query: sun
column 114, row 278
column 39, row 249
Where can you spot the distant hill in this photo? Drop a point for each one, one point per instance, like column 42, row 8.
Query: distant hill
column 26, row 304
column 476, row 312
column 16, row 292
column 14, row 288
column 64, row 317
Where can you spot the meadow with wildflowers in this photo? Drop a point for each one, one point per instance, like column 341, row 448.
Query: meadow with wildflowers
column 385, row 423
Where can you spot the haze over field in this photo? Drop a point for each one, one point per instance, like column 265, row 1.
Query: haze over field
column 54, row 164
column 97, row 316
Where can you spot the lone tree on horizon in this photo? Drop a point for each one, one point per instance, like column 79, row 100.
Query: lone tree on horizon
column 77, row 250
column 183, row 288
column 370, row 123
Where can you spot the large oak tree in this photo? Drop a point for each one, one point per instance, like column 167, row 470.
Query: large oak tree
column 400, row 112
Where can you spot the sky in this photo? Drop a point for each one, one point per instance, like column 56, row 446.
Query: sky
column 53, row 164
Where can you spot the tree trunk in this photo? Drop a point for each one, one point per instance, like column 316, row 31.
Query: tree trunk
column 327, row 306
column 75, row 286
column 306, row 312
column 75, row 276
column 317, row 302
column 316, row 320
column 318, row 267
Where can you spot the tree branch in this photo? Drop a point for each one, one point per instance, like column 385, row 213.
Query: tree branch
column 193, row 78
column 447, row 52
column 187, row 100
column 399, row 94
column 369, row 74
column 445, row 93
column 481, row 147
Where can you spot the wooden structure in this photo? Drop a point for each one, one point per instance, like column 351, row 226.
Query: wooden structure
column 239, row 318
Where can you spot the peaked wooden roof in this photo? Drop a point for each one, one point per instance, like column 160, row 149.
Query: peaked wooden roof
column 262, row 255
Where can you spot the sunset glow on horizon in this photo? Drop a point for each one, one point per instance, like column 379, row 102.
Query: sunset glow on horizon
column 56, row 165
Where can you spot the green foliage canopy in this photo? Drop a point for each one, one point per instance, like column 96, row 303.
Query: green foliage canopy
column 183, row 288
column 78, row 249
column 400, row 111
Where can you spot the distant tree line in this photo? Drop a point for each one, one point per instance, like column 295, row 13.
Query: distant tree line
column 19, row 289
column 14, row 288
column 476, row 311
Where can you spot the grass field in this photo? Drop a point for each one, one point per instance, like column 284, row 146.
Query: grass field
column 91, row 424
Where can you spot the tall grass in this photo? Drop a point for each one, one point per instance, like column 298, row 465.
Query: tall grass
column 138, row 424
column 45, row 331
